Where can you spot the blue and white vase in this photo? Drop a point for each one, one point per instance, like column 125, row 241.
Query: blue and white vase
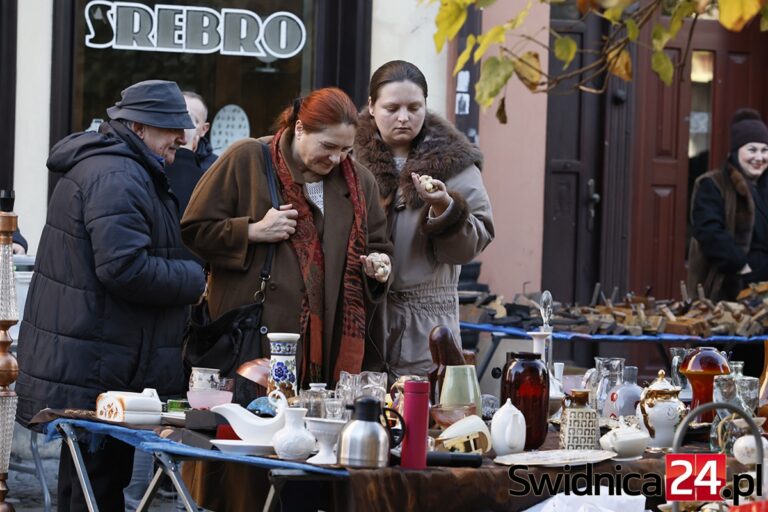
column 282, row 363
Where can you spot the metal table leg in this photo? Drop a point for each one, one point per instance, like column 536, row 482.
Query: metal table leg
column 171, row 468
column 40, row 471
column 37, row 470
column 77, row 458
column 151, row 491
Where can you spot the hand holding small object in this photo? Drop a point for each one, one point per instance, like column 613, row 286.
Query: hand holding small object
column 433, row 192
column 377, row 266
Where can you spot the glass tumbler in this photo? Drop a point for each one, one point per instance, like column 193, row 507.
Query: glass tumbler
column 334, row 406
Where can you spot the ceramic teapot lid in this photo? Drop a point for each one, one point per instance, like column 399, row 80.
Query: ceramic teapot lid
column 661, row 383
column 660, row 388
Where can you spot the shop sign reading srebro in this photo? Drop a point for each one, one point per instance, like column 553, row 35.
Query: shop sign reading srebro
column 187, row 29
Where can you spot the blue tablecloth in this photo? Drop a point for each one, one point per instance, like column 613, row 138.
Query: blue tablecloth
column 567, row 336
column 149, row 441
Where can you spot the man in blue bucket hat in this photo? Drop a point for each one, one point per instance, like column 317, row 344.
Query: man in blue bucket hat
column 108, row 301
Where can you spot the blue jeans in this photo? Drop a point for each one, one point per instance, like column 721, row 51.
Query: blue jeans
column 143, row 470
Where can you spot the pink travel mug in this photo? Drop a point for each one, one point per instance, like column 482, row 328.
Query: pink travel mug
column 416, row 417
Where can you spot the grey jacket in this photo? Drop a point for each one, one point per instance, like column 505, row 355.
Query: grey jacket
column 428, row 252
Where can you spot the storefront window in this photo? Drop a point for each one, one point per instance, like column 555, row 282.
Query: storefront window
column 250, row 56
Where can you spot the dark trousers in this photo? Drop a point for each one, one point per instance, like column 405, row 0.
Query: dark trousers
column 109, row 469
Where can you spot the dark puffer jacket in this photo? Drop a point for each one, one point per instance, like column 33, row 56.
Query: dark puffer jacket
column 106, row 308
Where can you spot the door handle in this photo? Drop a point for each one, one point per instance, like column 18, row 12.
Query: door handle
column 593, row 199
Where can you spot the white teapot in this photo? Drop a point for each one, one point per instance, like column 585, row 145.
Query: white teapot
column 659, row 413
column 508, row 430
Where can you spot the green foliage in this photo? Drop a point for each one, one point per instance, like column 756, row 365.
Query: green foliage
column 494, row 75
column 632, row 29
column 565, row 50
column 764, row 18
column 662, row 65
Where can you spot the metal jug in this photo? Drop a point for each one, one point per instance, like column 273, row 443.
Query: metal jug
column 365, row 442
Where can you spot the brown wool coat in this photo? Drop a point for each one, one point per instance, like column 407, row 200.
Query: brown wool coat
column 234, row 193
column 739, row 223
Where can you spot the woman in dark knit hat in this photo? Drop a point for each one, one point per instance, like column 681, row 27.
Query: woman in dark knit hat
column 729, row 213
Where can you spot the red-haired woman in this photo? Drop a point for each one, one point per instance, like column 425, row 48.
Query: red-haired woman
column 329, row 230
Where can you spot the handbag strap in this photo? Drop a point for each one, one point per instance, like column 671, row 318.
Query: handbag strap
column 266, row 270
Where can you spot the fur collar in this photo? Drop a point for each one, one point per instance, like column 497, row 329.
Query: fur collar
column 442, row 153
column 738, row 180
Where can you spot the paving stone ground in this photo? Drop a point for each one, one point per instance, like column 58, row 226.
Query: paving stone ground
column 25, row 493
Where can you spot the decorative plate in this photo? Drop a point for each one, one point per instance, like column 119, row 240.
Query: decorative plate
column 239, row 447
column 556, row 458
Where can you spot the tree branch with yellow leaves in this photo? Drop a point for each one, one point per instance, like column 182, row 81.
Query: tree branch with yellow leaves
column 517, row 55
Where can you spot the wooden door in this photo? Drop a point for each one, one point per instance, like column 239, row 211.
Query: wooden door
column 660, row 208
column 572, row 182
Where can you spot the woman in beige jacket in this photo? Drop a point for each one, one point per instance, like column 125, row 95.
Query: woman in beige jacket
column 435, row 226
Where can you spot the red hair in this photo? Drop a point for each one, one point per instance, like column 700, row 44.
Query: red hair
column 321, row 108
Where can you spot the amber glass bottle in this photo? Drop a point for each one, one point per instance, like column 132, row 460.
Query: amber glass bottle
column 525, row 381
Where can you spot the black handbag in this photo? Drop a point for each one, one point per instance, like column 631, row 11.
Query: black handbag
column 218, row 343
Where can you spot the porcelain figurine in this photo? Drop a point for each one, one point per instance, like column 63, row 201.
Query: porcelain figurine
column 508, row 430
column 659, row 413
column 252, row 428
column 293, row 441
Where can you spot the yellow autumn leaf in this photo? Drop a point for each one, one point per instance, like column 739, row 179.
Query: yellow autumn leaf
column 620, row 64
column 464, row 56
column 659, row 37
column 764, row 18
column 734, row 14
column 614, row 13
column 528, row 69
column 494, row 35
column 565, row 50
column 662, row 65
column 632, row 29
column 520, row 18
column 449, row 20
column 494, row 75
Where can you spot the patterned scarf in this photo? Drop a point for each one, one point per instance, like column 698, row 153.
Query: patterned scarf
column 310, row 252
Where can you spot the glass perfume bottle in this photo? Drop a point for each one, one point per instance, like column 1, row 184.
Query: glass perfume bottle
column 623, row 398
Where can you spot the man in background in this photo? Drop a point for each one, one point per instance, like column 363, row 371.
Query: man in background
column 200, row 144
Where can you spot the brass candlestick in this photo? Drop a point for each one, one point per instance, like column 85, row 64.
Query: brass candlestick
column 9, row 316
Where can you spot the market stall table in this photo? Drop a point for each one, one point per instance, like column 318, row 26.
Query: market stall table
column 221, row 481
column 224, row 486
column 167, row 453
